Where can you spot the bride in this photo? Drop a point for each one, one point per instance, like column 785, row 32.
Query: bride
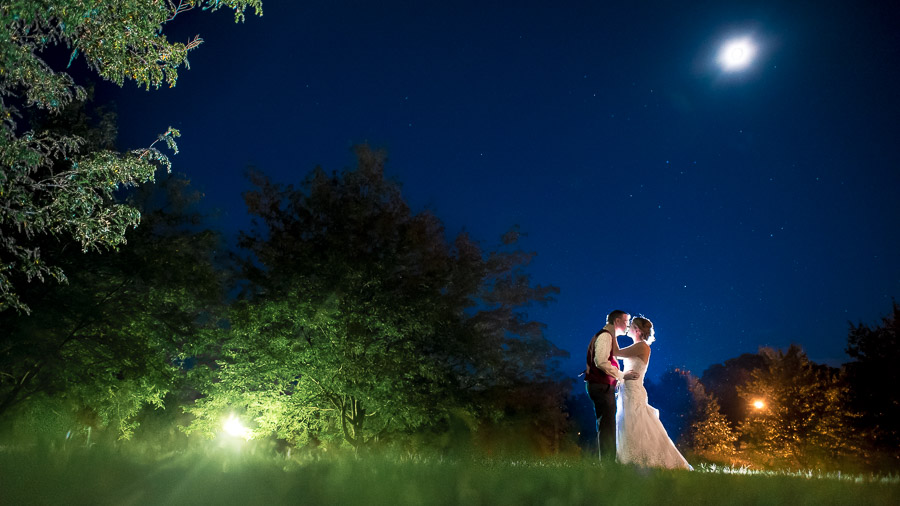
column 640, row 437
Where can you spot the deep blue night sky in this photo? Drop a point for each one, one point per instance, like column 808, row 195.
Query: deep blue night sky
column 738, row 210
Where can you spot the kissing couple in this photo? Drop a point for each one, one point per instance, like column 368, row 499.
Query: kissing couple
column 628, row 428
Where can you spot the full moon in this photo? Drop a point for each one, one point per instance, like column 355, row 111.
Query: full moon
column 736, row 54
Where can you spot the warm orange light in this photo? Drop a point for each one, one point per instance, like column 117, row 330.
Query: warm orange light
column 759, row 404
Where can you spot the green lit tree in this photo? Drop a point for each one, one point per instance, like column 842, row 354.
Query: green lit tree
column 48, row 185
column 111, row 341
column 802, row 418
column 363, row 323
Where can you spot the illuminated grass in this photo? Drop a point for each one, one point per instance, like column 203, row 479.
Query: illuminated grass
column 226, row 476
column 808, row 474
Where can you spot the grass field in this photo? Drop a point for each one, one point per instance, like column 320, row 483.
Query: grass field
column 226, row 476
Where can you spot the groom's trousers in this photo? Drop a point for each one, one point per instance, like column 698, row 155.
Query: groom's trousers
column 604, row 397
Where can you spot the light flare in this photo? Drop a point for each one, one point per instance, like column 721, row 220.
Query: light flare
column 234, row 427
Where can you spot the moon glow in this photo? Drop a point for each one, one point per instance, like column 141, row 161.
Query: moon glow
column 736, row 54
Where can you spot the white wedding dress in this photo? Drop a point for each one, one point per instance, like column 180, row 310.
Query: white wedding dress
column 641, row 438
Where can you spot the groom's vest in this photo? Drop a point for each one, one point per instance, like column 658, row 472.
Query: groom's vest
column 594, row 374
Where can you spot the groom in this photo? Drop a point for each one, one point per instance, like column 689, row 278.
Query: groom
column 600, row 378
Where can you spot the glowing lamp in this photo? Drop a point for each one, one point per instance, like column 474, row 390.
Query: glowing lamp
column 235, row 428
column 759, row 404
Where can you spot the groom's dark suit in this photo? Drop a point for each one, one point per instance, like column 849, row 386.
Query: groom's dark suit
column 600, row 378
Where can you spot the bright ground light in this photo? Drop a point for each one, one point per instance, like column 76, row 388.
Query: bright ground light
column 736, row 54
column 234, row 427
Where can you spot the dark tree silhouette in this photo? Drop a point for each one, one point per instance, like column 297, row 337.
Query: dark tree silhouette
column 873, row 378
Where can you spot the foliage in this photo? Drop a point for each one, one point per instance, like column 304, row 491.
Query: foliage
column 872, row 377
column 722, row 382
column 804, row 421
column 48, row 185
column 710, row 435
column 534, row 421
column 363, row 324
column 696, row 420
column 109, row 342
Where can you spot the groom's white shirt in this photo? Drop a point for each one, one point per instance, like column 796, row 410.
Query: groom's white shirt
column 602, row 347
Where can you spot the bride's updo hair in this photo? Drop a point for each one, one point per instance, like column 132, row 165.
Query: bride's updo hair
column 646, row 328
